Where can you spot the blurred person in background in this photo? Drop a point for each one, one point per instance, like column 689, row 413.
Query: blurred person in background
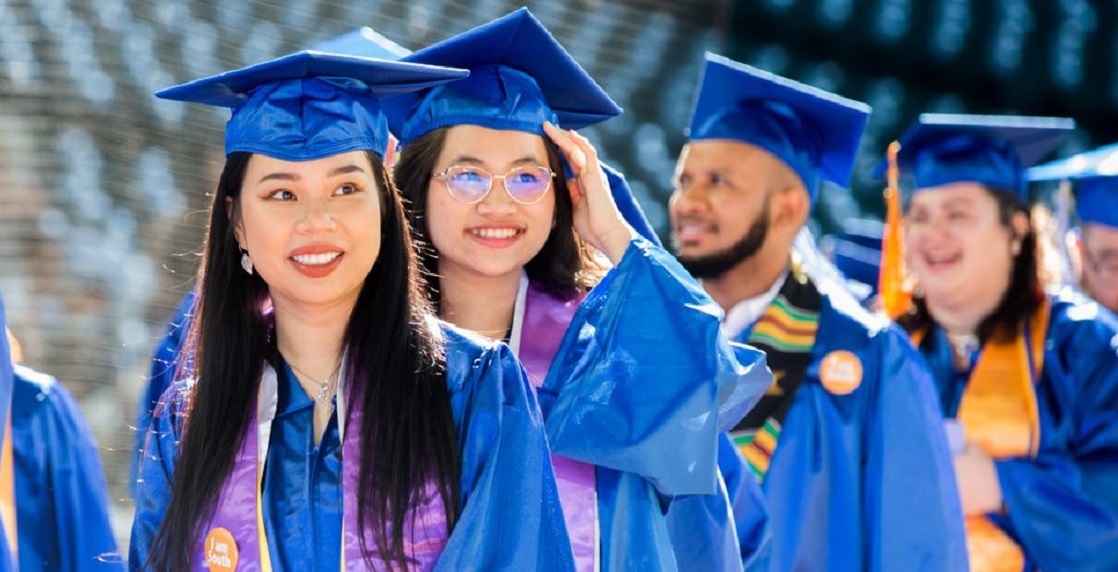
column 847, row 442
column 51, row 481
column 329, row 419
column 1027, row 380
column 503, row 229
column 1095, row 257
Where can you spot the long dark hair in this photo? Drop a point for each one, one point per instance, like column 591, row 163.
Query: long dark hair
column 1026, row 287
column 396, row 370
column 564, row 266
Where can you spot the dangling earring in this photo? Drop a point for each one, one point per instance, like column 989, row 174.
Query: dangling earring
column 246, row 261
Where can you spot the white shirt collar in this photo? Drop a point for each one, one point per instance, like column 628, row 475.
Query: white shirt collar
column 746, row 312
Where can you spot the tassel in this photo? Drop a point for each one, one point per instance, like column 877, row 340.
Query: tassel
column 896, row 298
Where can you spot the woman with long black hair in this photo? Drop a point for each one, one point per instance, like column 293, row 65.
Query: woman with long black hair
column 634, row 378
column 330, row 420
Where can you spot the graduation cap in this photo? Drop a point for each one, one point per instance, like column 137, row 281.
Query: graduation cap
column 309, row 105
column 857, row 251
column 520, row 77
column 814, row 132
column 989, row 149
column 363, row 41
column 627, row 204
column 1096, row 176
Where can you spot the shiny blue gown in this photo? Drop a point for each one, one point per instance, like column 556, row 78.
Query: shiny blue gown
column 1062, row 506
column 647, row 409
column 62, row 502
column 511, row 518
column 862, row 481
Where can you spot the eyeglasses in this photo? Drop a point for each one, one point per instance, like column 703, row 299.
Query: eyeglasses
column 470, row 185
column 1105, row 264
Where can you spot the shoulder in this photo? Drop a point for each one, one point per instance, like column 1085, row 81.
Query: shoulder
column 34, row 382
column 844, row 317
column 470, row 355
column 880, row 345
column 1074, row 313
column 1081, row 325
column 35, row 393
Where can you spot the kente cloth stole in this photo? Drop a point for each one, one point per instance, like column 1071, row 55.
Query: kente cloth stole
column 786, row 333
column 999, row 413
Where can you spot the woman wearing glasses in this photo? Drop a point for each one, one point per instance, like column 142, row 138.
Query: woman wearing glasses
column 1027, row 380
column 629, row 364
column 330, row 421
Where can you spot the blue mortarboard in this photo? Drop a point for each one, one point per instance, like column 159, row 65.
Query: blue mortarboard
column 814, row 132
column 520, row 77
column 858, row 251
column 989, row 149
column 1096, row 176
column 309, row 105
column 364, row 42
column 627, row 204
column 858, row 262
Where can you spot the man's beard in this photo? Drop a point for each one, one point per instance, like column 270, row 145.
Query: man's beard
column 719, row 263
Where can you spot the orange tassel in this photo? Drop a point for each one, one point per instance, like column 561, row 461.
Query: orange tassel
column 895, row 295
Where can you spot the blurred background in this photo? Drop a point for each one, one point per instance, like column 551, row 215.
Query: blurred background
column 103, row 188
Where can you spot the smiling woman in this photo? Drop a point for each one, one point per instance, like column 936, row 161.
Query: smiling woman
column 1027, row 379
column 331, row 418
column 507, row 202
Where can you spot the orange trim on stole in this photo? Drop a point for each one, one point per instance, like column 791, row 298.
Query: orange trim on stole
column 999, row 409
column 8, row 493
column 990, row 549
column 999, row 413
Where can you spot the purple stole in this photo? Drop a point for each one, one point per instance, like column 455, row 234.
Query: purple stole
column 239, row 512
column 544, row 323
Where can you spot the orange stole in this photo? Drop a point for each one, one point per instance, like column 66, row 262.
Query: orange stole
column 8, row 493
column 999, row 413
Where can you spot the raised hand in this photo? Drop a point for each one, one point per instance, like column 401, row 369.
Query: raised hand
column 596, row 217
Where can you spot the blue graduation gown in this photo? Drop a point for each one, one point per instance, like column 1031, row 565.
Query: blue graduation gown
column 7, row 378
column 163, row 366
column 1062, row 506
column 727, row 531
column 62, row 503
column 302, row 487
column 863, row 481
column 641, row 386
column 504, row 456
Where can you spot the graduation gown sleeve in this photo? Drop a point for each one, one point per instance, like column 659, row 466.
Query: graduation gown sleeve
column 163, row 366
column 863, row 480
column 152, row 489
column 511, row 518
column 62, row 502
column 1062, row 506
column 644, row 370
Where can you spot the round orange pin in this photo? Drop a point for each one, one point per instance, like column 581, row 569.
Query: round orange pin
column 221, row 551
column 841, row 372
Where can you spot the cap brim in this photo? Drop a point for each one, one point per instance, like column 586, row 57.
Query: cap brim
column 384, row 78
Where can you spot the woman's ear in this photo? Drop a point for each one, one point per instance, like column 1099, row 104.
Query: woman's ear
column 1020, row 228
column 235, row 221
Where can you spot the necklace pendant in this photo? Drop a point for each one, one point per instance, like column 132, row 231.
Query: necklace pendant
column 320, row 395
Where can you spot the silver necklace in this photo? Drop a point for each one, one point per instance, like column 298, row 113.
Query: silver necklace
column 324, row 387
